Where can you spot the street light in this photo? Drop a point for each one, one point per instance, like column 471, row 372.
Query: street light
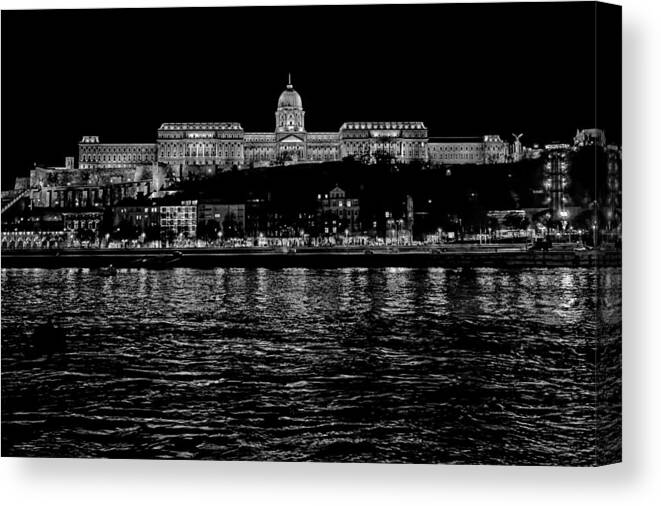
column 564, row 214
column 400, row 225
column 594, row 235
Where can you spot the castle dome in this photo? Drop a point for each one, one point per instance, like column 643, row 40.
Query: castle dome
column 290, row 98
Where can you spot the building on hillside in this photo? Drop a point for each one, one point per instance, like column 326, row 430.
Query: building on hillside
column 403, row 141
column 338, row 213
column 94, row 154
column 62, row 187
column 202, row 149
column 456, row 150
column 464, row 150
column 496, row 150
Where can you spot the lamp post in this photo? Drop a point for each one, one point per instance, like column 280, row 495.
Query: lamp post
column 594, row 235
column 563, row 215
column 595, row 223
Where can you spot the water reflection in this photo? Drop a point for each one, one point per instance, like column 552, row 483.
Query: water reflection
column 401, row 365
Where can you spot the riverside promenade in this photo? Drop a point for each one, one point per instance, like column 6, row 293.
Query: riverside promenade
column 333, row 257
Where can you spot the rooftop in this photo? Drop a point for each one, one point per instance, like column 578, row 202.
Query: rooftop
column 201, row 126
column 383, row 125
column 455, row 139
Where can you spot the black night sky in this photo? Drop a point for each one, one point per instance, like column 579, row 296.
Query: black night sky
column 462, row 69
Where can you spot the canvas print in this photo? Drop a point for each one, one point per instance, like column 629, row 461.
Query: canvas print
column 386, row 233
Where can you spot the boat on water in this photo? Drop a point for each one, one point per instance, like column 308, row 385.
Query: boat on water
column 159, row 262
column 139, row 262
column 107, row 271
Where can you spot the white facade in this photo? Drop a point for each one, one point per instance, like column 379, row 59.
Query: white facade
column 206, row 147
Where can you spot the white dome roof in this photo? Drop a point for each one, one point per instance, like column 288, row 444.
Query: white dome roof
column 290, row 98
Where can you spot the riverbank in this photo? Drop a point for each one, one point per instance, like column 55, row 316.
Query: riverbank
column 309, row 257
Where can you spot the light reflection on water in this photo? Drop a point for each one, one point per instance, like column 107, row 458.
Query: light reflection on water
column 397, row 365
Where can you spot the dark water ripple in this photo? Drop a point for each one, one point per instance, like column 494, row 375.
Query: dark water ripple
column 397, row 365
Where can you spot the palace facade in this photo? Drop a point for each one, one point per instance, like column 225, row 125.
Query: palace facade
column 202, row 146
column 108, row 171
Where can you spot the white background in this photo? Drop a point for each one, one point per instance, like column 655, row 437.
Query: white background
column 635, row 482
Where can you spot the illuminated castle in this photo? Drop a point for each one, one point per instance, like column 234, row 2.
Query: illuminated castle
column 108, row 171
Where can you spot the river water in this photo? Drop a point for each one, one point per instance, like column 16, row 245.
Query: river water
column 374, row 365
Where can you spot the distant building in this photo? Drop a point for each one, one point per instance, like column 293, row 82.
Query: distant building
column 468, row 150
column 556, row 165
column 82, row 220
column 21, row 183
column 196, row 149
column 339, row 214
column 590, row 137
column 614, row 195
column 199, row 148
column 401, row 141
column 178, row 221
column 61, row 187
column 230, row 218
column 399, row 221
column 138, row 219
column 456, row 150
column 94, row 154
column 496, row 150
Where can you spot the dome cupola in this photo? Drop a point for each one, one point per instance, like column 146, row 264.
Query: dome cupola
column 290, row 98
column 289, row 116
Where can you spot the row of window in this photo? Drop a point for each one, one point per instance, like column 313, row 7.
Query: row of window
column 265, row 153
column 180, row 227
column 128, row 148
column 179, row 224
column 225, row 150
column 117, row 158
column 341, row 203
column 455, row 147
column 182, row 213
column 459, row 156
column 210, row 135
column 342, row 213
column 76, row 224
column 467, row 147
